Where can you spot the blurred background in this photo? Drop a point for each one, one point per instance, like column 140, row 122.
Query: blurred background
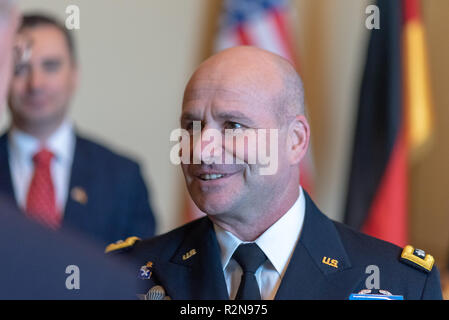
column 136, row 56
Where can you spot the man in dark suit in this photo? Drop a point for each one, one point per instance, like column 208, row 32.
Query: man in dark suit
column 263, row 237
column 38, row 263
column 55, row 175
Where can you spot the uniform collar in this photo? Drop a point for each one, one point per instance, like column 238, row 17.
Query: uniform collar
column 286, row 231
column 23, row 146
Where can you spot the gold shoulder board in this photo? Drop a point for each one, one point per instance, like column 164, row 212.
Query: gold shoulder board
column 121, row 244
column 417, row 258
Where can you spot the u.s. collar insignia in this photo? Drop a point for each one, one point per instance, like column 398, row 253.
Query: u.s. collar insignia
column 330, row 262
column 146, row 270
column 417, row 258
column 189, row 254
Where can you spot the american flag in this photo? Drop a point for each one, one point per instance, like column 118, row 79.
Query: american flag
column 259, row 23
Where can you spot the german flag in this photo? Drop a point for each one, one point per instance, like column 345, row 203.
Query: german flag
column 394, row 123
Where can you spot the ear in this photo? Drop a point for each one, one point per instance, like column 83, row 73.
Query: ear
column 298, row 139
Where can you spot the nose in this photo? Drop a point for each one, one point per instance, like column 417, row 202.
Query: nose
column 35, row 80
column 207, row 146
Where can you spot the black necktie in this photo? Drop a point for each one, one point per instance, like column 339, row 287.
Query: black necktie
column 250, row 257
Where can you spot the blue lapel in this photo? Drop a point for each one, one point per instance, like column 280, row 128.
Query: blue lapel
column 6, row 188
column 199, row 276
column 308, row 276
column 76, row 213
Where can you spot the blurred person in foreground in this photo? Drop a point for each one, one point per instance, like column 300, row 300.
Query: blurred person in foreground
column 9, row 19
column 55, row 175
column 263, row 237
column 38, row 263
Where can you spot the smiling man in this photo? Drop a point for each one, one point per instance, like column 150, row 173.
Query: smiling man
column 35, row 259
column 231, row 91
column 263, row 237
column 53, row 173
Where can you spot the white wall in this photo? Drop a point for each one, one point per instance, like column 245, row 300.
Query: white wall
column 331, row 38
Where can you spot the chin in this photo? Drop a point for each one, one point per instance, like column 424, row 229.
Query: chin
column 212, row 204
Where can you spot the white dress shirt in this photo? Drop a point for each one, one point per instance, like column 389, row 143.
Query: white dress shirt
column 22, row 148
column 278, row 243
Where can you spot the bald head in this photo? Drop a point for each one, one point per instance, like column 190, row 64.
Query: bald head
column 258, row 97
column 270, row 78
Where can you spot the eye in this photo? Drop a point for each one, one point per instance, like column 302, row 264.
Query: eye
column 233, row 125
column 20, row 69
column 51, row 65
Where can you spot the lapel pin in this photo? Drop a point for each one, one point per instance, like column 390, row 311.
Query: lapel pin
column 157, row 293
column 369, row 294
column 79, row 195
column 330, row 262
column 189, row 254
column 146, row 270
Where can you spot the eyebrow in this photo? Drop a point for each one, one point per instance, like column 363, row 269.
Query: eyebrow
column 188, row 116
column 235, row 115
column 226, row 115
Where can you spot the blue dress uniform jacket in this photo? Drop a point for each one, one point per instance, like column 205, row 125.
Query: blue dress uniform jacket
column 112, row 201
column 329, row 262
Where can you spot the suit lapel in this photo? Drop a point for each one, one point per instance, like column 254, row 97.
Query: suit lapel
column 75, row 209
column 6, row 187
column 195, row 270
column 320, row 267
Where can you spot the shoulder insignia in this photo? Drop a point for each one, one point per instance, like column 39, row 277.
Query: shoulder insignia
column 146, row 270
column 129, row 242
column 417, row 258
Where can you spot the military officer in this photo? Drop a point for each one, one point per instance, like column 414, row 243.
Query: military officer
column 263, row 237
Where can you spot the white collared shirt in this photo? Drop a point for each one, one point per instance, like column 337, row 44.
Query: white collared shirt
column 22, row 148
column 278, row 243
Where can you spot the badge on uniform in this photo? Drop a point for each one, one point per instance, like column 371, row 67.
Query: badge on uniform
column 121, row 245
column 156, row 293
column 189, row 254
column 79, row 195
column 146, row 270
column 368, row 294
column 417, row 258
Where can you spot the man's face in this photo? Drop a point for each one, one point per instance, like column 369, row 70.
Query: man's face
column 42, row 85
column 224, row 102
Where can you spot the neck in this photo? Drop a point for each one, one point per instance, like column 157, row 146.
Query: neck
column 40, row 132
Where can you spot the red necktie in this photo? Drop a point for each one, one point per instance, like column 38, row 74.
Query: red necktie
column 41, row 200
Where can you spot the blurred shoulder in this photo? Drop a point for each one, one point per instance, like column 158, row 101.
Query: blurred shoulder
column 98, row 150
